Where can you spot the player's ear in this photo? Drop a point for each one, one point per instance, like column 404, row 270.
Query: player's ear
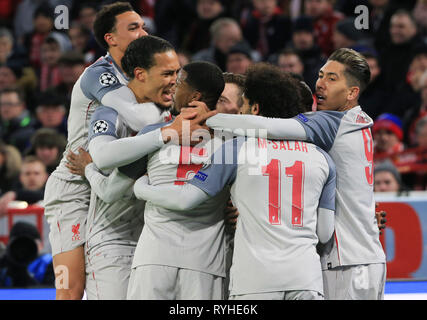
column 140, row 74
column 353, row 93
column 109, row 38
column 196, row 96
column 255, row 109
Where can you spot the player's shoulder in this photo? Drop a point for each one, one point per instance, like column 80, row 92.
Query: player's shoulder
column 324, row 155
column 101, row 71
column 325, row 115
column 154, row 126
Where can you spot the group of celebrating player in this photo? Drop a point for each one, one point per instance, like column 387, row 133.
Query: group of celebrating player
column 144, row 213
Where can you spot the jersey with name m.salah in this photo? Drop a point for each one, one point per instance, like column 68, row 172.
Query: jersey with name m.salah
column 347, row 138
column 192, row 239
column 277, row 197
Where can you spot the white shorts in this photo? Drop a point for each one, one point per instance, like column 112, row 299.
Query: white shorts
column 157, row 282
column 107, row 275
column 280, row 295
column 66, row 205
column 357, row 282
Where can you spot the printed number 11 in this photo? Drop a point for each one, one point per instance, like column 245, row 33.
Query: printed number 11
column 273, row 171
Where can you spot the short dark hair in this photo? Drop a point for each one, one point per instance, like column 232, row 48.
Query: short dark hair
column 275, row 91
column 50, row 97
column 239, row 81
column 140, row 53
column 19, row 92
column 305, row 92
column 206, row 78
column 105, row 20
column 48, row 138
column 356, row 70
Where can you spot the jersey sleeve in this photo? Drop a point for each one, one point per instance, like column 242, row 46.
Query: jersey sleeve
column 98, row 80
column 327, row 198
column 103, row 122
column 321, row 127
column 220, row 171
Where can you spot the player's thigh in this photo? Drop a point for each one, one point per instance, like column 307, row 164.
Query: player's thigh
column 195, row 285
column 275, row 295
column 152, row 282
column 66, row 206
column 357, row 282
column 107, row 277
column 69, row 270
column 303, row 295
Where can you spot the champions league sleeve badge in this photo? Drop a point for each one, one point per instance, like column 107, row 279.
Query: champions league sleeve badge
column 100, row 126
column 107, row 79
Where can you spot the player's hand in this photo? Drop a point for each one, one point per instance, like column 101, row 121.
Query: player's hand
column 189, row 126
column 5, row 200
column 381, row 220
column 77, row 162
column 231, row 215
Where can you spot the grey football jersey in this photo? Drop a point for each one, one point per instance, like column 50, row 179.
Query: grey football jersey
column 192, row 239
column 347, row 138
column 97, row 79
column 119, row 222
column 277, row 198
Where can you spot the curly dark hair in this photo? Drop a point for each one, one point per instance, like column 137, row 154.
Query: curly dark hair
column 276, row 92
column 105, row 20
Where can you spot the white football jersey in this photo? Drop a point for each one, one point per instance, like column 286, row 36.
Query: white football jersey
column 192, row 239
column 277, row 196
column 98, row 79
column 347, row 138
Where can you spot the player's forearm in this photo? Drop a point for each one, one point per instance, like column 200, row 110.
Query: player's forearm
column 136, row 115
column 108, row 188
column 107, row 153
column 173, row 197
column 325, row 224
column 275, row 128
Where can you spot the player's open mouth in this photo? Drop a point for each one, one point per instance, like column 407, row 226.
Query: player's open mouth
column 320, row 99
column 167, row 95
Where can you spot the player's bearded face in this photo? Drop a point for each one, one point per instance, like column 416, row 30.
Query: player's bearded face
column 331, row 87
column 161, row 79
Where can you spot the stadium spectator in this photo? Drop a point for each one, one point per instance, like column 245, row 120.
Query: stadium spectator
column 198, row 35
column 304, row 42
column 17, row 124
column 239, row 58
column 421, row 109
column 80, row 38
column 9, row 77
column 43, row 22
column 10, row 164
column 388, row 135
column 421, row 132
column 387, row 178
column 374, row 98
column 420, row 15
column 324, row 19
column 266, row 28
column 30, row 187
column 347, row 36
column 225, row 33
column 71, row 65
column 87, row 15
column 51, row 50
column 48, row 146
column 184, row 57
column 288, row 60
column 51, row 112
column 11, row 53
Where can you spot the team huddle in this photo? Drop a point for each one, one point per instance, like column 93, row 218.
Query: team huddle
column 144, row 202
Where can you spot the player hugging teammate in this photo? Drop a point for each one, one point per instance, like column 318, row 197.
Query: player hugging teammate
column 286, row 203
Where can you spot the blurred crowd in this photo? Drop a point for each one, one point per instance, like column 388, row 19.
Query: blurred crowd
column 39, row 65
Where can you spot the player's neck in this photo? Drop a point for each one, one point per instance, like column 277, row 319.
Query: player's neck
column 136, row 89
column 117, row 56
column 349, row 105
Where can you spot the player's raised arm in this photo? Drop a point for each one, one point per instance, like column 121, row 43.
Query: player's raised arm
column 179, row 197
column 288, row 129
